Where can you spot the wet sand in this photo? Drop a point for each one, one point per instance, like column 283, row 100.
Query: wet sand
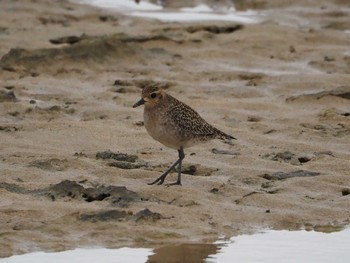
column 75, row 158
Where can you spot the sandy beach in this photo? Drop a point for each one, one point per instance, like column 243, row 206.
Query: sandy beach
column 76, row 159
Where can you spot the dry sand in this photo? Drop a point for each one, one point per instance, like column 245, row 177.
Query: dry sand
column 281, row 87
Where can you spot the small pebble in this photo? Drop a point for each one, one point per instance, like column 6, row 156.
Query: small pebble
column 345, row 191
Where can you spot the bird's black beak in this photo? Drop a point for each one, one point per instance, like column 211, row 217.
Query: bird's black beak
column 140, row 102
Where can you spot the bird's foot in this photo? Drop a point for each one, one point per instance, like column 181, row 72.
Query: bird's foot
column 158, row 181
column 175, row 183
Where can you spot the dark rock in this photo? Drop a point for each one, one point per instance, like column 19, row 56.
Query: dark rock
column 67, row 40
column 127, row 165
column 342, row 92
column 118, row 215
column 148, row 215
column 188, row 169
column 303, row 159
column 118, row 196
column 13, row 188
column 253, row 119
column 107, row 155
column 196, row 170
column 63, row 189
column 109, row 215
column 286, row 175
column 140, row 123
column 226, row 152
column 288, row 157
column 52, row 164
column 345, row 191
column 7, row 96
column 214, row 190
column 329, row 153
column 106, row 18
column 285, row 156
column 214, row 29
column 8, row 128
column 88, row 51
column 119, row 82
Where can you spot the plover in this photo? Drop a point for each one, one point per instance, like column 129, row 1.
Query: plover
column 174, row 124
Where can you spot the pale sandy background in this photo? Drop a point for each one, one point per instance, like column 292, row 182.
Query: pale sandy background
column 281, row 87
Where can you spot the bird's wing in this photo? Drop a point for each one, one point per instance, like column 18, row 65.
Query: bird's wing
column 190, row 121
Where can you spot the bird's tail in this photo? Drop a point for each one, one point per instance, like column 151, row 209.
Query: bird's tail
column 224, row 136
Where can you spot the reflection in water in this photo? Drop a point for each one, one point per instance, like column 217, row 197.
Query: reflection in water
column 269, row 247
column 184, row 253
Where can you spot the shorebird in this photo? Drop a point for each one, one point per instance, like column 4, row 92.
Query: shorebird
column 174, row 124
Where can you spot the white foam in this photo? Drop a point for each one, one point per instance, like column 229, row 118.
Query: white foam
column 193, row 16
column 123, row 5
column 148, row 10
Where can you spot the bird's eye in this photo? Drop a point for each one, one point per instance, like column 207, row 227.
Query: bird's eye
column 153, row 95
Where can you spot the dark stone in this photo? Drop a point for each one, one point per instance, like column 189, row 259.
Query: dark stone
column 286, row 175
column 106, row 155
column 303, row 159
column 253, row 119
column 8, row 128
column 7, row 96
column 118, row 196
column 188, row 169
column 109, row 215
column 119, row 82
column 345, row 191
column 214, row 190
column 342, row 92
column 288, row 157
column 146, row 214
column 63, row 189
column 13, row 188
column 215, row 29
column 87, row 52
column 106, row 18
column 227, row 152
column 52, row 164
column 127, row 165
column 66, row 40
column 118, row 215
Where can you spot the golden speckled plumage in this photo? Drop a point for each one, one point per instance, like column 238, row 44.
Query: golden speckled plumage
column 174, row 124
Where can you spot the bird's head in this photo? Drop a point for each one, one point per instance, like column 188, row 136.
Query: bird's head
column 151, row 96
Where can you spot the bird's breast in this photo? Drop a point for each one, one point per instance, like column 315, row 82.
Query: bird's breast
column 161, row 129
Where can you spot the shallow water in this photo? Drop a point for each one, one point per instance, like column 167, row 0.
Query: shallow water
column 269, row 246
column 152, row 11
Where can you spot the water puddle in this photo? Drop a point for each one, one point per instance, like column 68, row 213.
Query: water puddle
column 269, row 246
column 152, row 11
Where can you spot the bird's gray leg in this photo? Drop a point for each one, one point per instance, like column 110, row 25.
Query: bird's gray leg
column 161, row 179
column 181, row 157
